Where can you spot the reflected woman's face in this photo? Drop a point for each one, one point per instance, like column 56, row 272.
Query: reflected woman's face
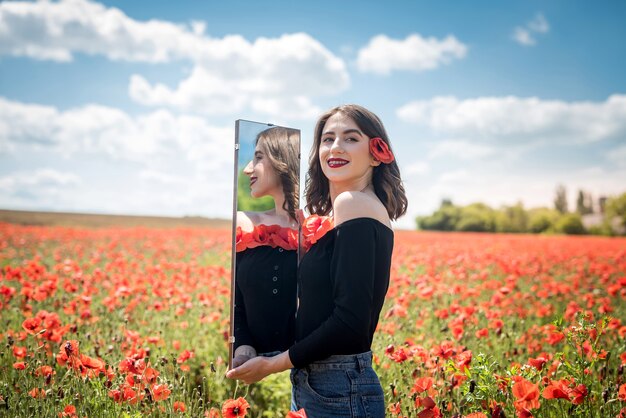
column 263, row 178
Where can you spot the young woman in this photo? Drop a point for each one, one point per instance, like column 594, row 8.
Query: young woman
column 267, row 243
column 344, row 276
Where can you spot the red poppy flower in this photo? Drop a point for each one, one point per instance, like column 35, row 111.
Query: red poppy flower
column 422, row 384
column 380, row 150
column 32, row 325
column 68, row 412
column 622, row 393
column 19, row 352
column 526, row 394
column 37, row 393
column 577, row 395
column 160, row 392
column 538, row 362
column 44, row 371
column 179, row 406
column 91, row 367
column 20, row 365
column 233, row 408
column 556, row 390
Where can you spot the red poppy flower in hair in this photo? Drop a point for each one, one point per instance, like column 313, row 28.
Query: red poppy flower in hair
column 381, row 151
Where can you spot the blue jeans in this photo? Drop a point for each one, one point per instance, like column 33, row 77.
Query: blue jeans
column 339, row 386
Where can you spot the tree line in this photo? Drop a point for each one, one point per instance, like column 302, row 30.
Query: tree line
column 606, row 217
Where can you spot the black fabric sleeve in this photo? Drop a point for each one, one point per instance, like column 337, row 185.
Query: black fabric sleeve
column 242, row 331
column 352, row 273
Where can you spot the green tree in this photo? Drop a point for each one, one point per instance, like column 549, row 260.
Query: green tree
column 571, row 224
column 476, row 217
column 542, row 219
column 443, row 219
column 512, row 219
column 584, row 205
column 560, row 200
column 616, row 208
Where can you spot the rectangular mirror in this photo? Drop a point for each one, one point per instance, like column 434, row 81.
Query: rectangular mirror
column 264, row 240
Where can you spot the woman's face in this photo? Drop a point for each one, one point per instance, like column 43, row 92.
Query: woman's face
column 263, row 178
column 344, row 152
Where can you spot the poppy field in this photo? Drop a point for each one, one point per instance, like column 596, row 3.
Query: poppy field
column 133, row 322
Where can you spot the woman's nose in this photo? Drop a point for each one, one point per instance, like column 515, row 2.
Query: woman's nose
column 336, row 146
column 248, row 169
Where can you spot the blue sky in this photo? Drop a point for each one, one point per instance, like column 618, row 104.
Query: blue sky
column 129, row 107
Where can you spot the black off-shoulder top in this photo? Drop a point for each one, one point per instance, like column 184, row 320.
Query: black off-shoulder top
column 265, row 298
column 343, row 280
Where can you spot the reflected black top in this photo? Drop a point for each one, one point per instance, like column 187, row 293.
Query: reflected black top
column 265, row 298
column 342, row 281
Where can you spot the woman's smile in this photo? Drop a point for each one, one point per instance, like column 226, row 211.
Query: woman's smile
column 337, row 162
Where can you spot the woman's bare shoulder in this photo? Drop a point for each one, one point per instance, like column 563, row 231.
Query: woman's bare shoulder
column 246, row 220
column 352, row 205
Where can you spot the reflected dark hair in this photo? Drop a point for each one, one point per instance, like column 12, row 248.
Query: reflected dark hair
column 282, row 148
column 385, row 178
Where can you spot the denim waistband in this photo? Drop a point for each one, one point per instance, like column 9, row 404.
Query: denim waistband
column 343, row 361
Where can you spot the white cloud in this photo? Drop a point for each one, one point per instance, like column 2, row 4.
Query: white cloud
column 418, row 167
column 523, row 37
column 99, row 129
column 275, row 77
column 230, row 74
column 618, row 156
column 156, row 163
column 524, row 34
column 461, row 149
column 44, row 178
column 415, row 53
column 520, row 120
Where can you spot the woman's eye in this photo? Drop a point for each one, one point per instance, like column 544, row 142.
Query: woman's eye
column 350, row 139
column 328, row 139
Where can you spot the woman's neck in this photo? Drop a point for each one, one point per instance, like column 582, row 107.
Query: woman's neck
column 362, row 184
column 279, row 211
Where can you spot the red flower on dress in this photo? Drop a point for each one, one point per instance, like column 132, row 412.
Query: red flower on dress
column 242, row 239
column 380, row 150
column 233, row 408
column 271, row 235
column 315, row 227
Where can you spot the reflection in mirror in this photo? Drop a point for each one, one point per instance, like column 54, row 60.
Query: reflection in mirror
column 265, row 240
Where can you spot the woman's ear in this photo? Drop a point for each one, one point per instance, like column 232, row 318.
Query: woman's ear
column 373, row 161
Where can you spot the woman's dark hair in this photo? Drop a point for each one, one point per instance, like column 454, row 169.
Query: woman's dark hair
column 386, row 177
column 282, row 148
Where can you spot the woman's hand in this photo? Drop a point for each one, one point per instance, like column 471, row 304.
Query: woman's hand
column 239, row 360
column 242, row 354
column 257, row 368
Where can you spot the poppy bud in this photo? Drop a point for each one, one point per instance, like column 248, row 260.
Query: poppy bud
column 472, row 386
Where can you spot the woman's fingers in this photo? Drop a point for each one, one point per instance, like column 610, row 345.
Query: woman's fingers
column 250, row 372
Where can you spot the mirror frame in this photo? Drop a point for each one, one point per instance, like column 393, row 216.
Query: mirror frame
column 233, row 258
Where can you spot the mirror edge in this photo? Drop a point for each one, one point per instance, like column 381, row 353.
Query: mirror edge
column 231, row 332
